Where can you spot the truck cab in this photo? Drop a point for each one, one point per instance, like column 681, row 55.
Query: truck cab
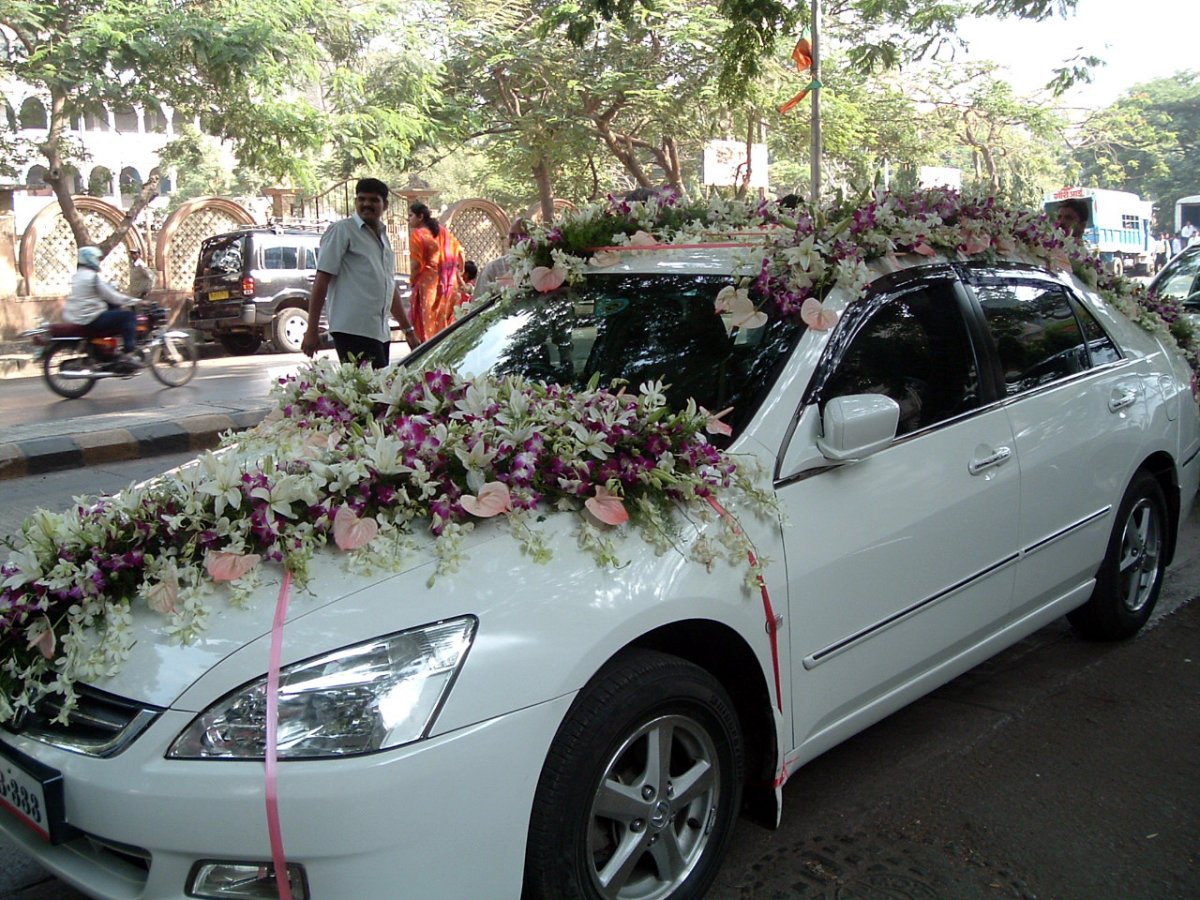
column 1118, row 226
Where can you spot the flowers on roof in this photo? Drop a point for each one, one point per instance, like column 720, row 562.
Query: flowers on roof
column 802, row 255
column 374, row 464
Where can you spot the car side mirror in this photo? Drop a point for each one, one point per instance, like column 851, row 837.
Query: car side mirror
column 857, row 425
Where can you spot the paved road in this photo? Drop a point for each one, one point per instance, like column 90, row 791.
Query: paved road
column 1060, row 769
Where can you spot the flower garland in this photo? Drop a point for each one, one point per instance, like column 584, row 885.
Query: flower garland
column 802, row 254
column 368, row 462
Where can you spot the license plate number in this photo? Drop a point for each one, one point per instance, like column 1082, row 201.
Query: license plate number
column 218, row 295
column 33, row 794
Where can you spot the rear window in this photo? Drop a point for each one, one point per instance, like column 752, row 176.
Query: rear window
column 222, row 255
column 626, row 329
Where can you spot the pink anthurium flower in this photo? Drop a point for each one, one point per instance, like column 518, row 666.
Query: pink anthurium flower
column 546, row 279
column 225, row 566
column 45, row 640
column 816, row 316
column 351, row 531
column 164, row 596
column 976, row 243
column 715, row 425
column 924, row 249
column 493, row 498
column 603, row 258
column 607, row 507
column 643, row 239
column 736, row 303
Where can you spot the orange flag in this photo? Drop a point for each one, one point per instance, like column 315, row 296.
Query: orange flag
column 802, row 54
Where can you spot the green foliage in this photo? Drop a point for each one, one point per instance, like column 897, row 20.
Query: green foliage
column 1147, row 142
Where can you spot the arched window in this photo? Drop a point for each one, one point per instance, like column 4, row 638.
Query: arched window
column 154, row 119
column 131, row 181
column 126, row 119
column 95, row 120
column 74, row 179
column 36, row 177
column 100, row 182
column 33, row 114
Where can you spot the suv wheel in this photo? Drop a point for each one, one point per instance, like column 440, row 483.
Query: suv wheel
column 240, row 343
column 288, row 328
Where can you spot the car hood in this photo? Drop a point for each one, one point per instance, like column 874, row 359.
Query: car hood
column 335, row 607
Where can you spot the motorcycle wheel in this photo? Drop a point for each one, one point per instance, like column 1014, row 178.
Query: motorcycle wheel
column 61, row 358
column 173, row 362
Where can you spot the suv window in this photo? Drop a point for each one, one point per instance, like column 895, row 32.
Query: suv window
column 913, row 347
column 1180, row 280
column 310, row 258
column 633, row 327
column 1037, row 335
column 280, row 258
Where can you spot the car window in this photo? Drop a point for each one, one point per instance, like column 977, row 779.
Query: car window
column 1180, row 280
column 1101, row 348
column 280, row 257
column 310, row 257
column 913, row 347
column 636, row 328
column 1037, row 335
column 222, row 256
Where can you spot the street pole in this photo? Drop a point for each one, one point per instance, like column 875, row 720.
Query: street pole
column 815, row 71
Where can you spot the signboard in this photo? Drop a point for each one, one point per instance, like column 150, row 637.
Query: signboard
column 725, row 164
column 939, row 176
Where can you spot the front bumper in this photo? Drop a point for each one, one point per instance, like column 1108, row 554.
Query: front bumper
column 394, row 824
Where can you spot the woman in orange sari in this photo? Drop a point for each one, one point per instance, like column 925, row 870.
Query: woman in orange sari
column 437, row 272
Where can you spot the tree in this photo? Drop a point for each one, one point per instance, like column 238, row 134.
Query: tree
column 251, row 72
column 886, row 32
column 1147, row 142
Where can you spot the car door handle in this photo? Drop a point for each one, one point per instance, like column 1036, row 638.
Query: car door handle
column 997, row 457
column 1122, row 397
column 310, row 278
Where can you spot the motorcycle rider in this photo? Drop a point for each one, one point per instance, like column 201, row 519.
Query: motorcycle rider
column 97, row 304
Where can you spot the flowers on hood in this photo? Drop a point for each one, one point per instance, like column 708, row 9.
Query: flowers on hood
column 364, row 462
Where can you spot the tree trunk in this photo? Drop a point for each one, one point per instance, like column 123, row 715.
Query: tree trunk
column 541, row 174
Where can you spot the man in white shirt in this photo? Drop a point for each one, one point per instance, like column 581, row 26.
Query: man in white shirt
column 141, row 276
column 354, row 273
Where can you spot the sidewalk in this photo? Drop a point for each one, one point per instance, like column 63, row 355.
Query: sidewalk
column 41, row 447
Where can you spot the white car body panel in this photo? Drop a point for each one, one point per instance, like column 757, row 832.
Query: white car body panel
column 880, row 604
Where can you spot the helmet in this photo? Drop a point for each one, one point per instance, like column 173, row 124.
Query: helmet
column 90, row 257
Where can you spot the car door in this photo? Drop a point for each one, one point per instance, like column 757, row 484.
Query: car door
column 1079, row 415
column 897, row 562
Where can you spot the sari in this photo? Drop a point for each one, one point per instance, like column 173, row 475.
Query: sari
column 436, row 279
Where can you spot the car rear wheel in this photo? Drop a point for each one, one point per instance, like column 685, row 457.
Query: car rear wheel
column 1131, row 575
column 240, row 343
column 288, row 328
column 640, row 789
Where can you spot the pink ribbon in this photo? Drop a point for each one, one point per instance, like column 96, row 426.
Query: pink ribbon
column 768, row 610
column 272, row 775
column 635, row 247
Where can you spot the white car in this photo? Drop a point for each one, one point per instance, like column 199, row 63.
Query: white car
column 949, row 461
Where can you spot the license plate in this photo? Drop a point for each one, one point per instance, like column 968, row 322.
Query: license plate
column 218, row 295
column 33, row 793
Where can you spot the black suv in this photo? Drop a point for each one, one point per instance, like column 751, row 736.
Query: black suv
column 252, row 285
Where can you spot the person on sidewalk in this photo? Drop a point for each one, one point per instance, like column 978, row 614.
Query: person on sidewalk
column 97, row 304
column 436, row 271
column 355, row 263
column 141, row 277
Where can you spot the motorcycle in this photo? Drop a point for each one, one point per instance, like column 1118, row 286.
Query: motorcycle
column 73, row 359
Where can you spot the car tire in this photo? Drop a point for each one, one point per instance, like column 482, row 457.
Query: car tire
column 1118, row 266
column 606, row 819
column 240, row 343
column 288, row 328
column 1129, row 578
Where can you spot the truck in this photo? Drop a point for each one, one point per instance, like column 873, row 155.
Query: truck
column 1118, row 226
column 1187, row 212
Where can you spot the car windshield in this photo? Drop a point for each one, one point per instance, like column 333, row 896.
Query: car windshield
column 628, row 329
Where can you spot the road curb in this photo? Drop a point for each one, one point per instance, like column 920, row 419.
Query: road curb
column 35, row 456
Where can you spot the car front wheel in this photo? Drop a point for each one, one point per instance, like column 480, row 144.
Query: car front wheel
column 1129, row 579
column 641, row 787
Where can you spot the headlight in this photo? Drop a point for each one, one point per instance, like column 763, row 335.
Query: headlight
column 359, row 699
